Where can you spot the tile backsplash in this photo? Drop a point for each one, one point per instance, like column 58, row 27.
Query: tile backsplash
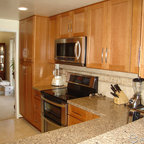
column 106, row 78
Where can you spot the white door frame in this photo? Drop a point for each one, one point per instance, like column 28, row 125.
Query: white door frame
column 13, row 26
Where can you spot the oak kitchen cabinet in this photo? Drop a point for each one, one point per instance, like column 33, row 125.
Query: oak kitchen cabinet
column 26, row 90
column 53, row 28
column 37, row 109
column 73, row 23
column 109, row 43
column 141, row 64
column 78, row 115
column 34, row 67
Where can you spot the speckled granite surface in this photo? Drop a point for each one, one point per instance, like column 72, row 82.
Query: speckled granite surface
column 128, row 134
column 112, row 116
column 45, row 87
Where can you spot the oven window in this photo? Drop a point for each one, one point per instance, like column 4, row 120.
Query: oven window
column 65, row 49
column 52, row 112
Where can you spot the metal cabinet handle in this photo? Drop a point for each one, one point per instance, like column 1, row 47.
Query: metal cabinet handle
column 68, row 28
column 106, row 55
column 77, row 45
column 139, row 57
column 23, row 67
column 71, row 27
column 102, row 56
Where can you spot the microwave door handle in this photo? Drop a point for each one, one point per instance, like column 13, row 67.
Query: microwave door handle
column 77, row 45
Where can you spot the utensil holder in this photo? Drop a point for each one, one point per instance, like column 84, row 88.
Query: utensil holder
column 121, row 99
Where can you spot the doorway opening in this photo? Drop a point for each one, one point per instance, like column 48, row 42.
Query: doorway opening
column 7, row 75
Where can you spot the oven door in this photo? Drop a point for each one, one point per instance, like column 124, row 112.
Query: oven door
column 70, row 50
column 54, row 112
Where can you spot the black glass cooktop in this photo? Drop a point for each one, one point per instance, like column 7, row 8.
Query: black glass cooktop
column 78, row 86
column 65, row 94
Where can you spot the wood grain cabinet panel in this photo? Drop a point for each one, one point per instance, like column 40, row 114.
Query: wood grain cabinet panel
column 119, row 34
column 52, row 35
column 136, row 36
column 37, row 109
column 65, row 24
column 34, row 67
column 109, row 44
column 141, row 65
column 72, row 120
column 97, row 37
column 26, row 90
column 26, row 38
column 80, row 22
column 78, row 115
column 73, row 23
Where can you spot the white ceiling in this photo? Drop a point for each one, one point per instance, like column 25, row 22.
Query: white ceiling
column 8, row 8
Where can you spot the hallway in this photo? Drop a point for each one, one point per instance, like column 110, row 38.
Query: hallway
column 7, row 110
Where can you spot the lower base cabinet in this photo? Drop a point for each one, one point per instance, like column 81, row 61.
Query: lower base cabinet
column 77, row 115
column 37, row 109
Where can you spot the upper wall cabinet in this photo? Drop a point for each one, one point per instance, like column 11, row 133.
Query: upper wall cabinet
column 136, row 33
column 52, row 35
column 119, row 34
column 141, row 64
column 110, row 35
column 73, row 23
column 97, row 38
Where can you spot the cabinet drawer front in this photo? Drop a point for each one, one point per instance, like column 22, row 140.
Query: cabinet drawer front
column 72, row 120
column 77, row 112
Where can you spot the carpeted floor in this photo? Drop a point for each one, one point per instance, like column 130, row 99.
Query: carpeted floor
column 7, row 107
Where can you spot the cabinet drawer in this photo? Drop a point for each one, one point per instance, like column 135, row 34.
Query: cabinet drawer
column 77, row 112
column 72, row 120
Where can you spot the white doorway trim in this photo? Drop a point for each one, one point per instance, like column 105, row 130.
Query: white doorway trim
column 13, row 26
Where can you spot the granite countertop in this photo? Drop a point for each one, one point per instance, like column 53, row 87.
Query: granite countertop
column 46, row 87
column 112, row 116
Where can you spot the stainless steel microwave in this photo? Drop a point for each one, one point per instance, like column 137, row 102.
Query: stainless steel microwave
column 71, row 51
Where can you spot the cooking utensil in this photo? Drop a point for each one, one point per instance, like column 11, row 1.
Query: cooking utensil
column 115, row 95
column 117, row 87
column 113, row 89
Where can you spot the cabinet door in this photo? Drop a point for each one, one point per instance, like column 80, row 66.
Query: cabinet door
column 72, row 120
column 119, row 34
column 136, row 32
column 37, row 112
column 52, row 32
column 79, row 24
column 22, row 39
column 28, row 92
column 65, row 24
column 141, row 68
column 26, row 38
column 97, row 37
column 22, row 84
column 29, row 37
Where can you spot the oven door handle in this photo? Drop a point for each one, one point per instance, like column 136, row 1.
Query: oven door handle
column 53, row 103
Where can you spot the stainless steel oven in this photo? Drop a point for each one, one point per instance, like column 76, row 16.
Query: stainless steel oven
column 54, row 114
column 55, row 101
column 71, row 51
